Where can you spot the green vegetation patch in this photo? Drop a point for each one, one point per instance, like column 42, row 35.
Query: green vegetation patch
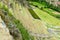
column 48, row 10
column 33, row 14
column 46, row 17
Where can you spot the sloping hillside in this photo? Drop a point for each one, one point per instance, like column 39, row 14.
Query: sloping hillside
column 28, row 20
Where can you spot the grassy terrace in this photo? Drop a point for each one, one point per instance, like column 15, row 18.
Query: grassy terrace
column 46, row 17
column 48, row 10
column 52, row 12
column 24, row 33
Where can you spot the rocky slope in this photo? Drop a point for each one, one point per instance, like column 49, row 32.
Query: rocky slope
column 4, row 32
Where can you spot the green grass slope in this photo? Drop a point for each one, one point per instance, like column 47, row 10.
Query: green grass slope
column 48, row 10
column 46, row 17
